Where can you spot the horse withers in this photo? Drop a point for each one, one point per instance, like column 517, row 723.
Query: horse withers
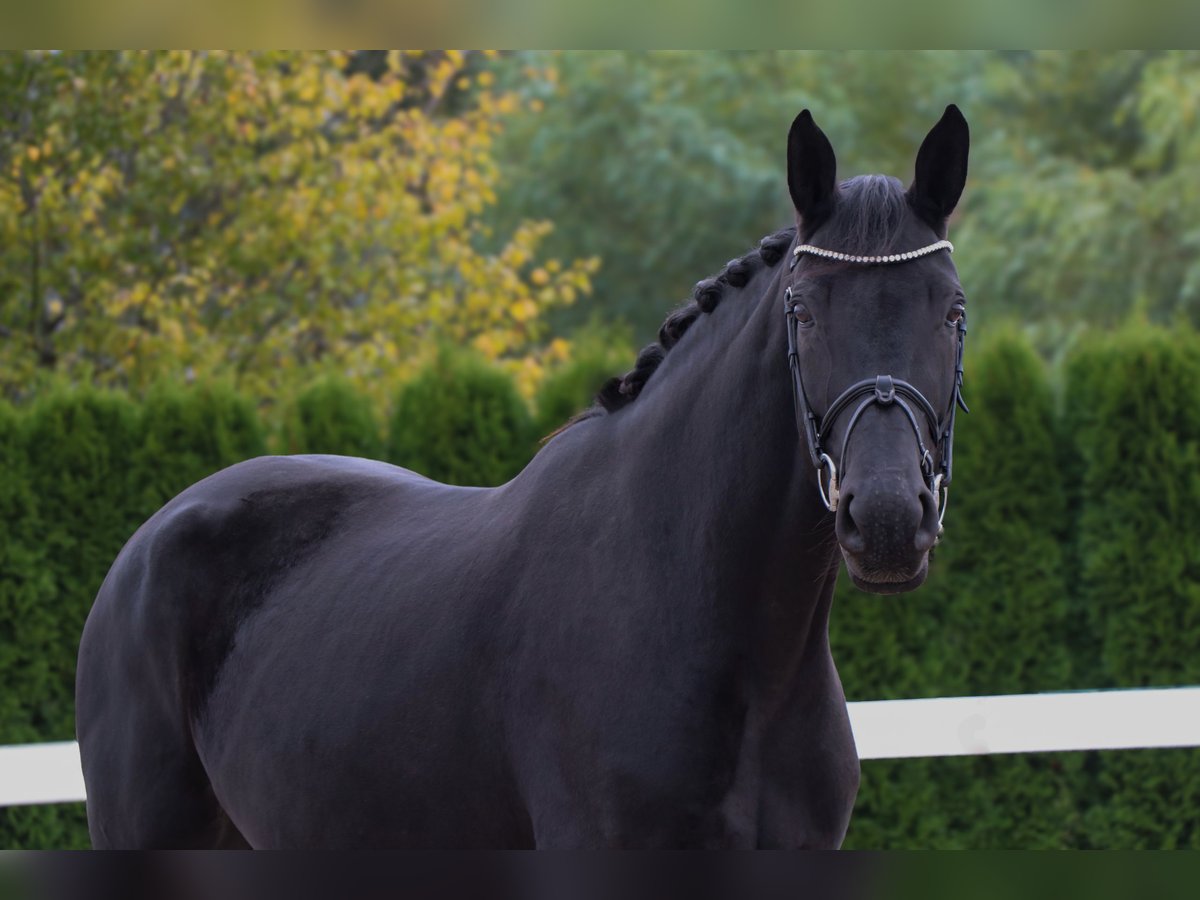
column 624, row 646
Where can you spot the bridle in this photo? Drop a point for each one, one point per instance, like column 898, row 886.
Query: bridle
column 883, row 390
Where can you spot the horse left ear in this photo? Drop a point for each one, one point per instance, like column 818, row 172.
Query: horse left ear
column 941, row 171
column 812, row 173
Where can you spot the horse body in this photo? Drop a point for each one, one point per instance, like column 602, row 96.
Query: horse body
column 384, row 660
column 626, row 645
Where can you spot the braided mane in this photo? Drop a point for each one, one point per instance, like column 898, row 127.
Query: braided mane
column 868, row 213
column 622, row 390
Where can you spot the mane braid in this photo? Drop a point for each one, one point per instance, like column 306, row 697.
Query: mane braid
column 622, row 390
column 867, row 217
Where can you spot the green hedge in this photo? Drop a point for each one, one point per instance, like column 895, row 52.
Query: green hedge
column 1139, row 550
column 461, row 421
column 993, row 618
column 330, row 416
column 78, row 446
column 1069, row 562
column 570, row 387
column 34, row 702
column 96, row 466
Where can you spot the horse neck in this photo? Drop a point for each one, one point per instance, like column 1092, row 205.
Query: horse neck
column 711, row 452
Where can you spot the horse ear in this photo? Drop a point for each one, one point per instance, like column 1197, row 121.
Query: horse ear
column 941, row 170
column 812, row 172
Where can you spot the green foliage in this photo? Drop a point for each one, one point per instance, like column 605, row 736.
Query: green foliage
column 1141, row 512
column 994, row 618
column 1139, row 445
column 26, row 592
column 1145, row 800
column 257, row 214
column 1000, row 571
column 461, row 421
column 966, row 802
column 330, row 416
column 59, row 826
column 570, row 387
column 78, row 446
column 1068, row 562
column 666, row 164
column 80, row 443
column 190, row 433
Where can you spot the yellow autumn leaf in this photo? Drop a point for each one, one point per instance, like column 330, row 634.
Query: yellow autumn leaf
column 524, row 310
column 559, row 349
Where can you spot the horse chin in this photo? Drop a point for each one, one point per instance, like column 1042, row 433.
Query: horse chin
column 887, row 582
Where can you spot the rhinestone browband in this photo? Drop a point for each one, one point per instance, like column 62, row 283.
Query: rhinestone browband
column 893, row 258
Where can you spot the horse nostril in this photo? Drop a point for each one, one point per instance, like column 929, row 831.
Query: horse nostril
column 927, row 532
column 848, row 533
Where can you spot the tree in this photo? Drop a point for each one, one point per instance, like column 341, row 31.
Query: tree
column 995, row 617
column 85, row 505
column 1083, row 199
column 1139, row 447
column 666, row 164
column 253, row 214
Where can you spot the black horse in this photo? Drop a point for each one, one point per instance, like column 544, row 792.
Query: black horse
column 624, row 646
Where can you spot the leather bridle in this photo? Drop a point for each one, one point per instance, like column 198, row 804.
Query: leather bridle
column 882, row 390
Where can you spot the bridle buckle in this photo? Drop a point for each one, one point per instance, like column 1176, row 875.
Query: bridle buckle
column 885, row 389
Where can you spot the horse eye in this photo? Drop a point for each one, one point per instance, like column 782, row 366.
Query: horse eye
column 956, row 313
column 803, row 316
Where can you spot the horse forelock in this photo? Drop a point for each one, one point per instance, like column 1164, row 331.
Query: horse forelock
column 869, row 214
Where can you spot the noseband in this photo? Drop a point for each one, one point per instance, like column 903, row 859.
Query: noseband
column 883, row 390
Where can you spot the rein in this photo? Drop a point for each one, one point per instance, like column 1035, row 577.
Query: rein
column 883, row 390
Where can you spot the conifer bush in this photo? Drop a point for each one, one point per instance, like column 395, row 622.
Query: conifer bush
column 330, row 416
column 571, row 387
column 993, row 618
column 461, row 421
column 27, row 628
column 188, row 434
column 1139, row 552
column 78, row 447
column 1069, row 561
column 80, row 444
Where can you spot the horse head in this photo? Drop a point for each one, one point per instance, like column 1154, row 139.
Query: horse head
column 876, row 321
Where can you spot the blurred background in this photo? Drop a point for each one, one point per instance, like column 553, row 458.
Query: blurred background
column 436, row 258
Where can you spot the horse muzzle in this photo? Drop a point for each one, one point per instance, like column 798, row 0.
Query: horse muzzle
column 886, row 525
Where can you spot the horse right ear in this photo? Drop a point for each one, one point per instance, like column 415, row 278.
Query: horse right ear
column 941, row 169
column 812, row 173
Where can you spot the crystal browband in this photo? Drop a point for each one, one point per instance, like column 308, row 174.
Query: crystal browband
column 810, row 250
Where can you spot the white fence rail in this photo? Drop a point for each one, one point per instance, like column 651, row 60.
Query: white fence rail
column 40, row 773
column 883, row 729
